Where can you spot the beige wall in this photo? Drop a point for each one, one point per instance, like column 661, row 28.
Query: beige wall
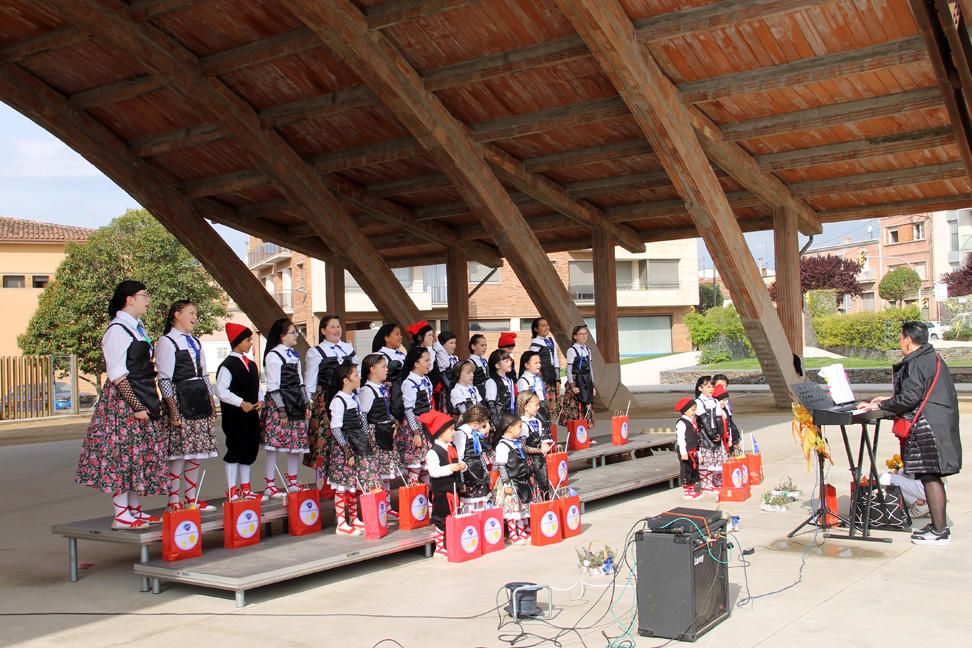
column 18, row 304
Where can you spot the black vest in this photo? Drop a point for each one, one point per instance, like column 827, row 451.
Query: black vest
column 444, row 484
column 548, row 372
column 518, row 468
column 352, row 430
column 245, row 383
column 327, row 378
column 691, row 434
column 710, row 427
column 291, row 390
column 582, row 377
column 380, row 416
column 393, row 383
column 505, row 401
column 141, row 373
column 479, row 379
column 191, row 387
column 422, row 399
column 536, row 436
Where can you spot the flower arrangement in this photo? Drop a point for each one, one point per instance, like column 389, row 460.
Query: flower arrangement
column 808, row 434
column 776, row 503
column 787, row 489
column 894, row 463
column 595, row 562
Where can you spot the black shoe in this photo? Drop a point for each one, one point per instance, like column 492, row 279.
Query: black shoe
column 932, row 537
column 923, row 530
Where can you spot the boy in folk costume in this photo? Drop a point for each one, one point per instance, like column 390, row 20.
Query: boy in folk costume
column 238, row 389
column 444, row 471
column 687, row 442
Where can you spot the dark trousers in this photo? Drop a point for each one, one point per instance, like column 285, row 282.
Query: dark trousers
column 688, row 474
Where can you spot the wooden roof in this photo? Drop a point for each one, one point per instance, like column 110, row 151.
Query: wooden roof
column 839, row 109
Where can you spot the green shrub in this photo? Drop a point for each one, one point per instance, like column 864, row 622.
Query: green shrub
column 821, row 302
column 958, row 332
column 719, row 335
column 877, row 331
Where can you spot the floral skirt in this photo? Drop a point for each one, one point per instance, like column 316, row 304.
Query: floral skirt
column 383, row 462
column 194, row 439
column 120, row 453
column 278, row 437
column 513, row 507
column 712, row 459
column 572, row 409
column 341, row 476
column 551, row 395
column 411, row 456
column 318, row 433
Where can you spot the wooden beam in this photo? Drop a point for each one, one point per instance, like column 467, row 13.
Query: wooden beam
column 334, row 296
column 116, row 92
column 259, row 52
column 715, row 16
column 343, row 28
column 100, row 146
column 224, row 184
column 457, row 296
column 900, row 208
column 789, row 295
column 590, row 155
column 54, row 39
column 180, row 138
column 168, row 60
column 960, row 47
column 142, row 10
column 217, row 212
column 880, row 179
column 834, row 114
column 396, row 12
column 668, row 124
column 606, row 296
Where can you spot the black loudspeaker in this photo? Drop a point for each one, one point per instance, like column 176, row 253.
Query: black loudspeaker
column 683, row 576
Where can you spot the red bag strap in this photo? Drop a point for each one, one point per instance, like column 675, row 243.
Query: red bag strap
column 938, row 370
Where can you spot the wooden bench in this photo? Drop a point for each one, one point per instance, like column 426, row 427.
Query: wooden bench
column 598, row 454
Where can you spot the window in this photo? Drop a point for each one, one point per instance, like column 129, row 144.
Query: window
column 892, row 236
column 13, row 281
column 660, row 273
column 846, row 304
column 404, row 276
column 40, row 281
column 918, row 232
column 953, row 236
column 921, row 269
column 300, row 276
column 625, row 276
column 867, row 302
column 489, row 325
column 580, row 276
column 478, row 272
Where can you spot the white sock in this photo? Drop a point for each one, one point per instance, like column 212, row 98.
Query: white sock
column 244, row 473
column 120, row 502
column 231, row 470
column 176, row 467
column 293, row 463
column 191, row 476
column 134, row 501
column 271, row 465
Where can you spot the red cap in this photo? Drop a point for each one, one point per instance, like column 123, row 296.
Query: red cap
column 418, row 328
column 720, row 392
column 237, row 333
column 684, row 404
column 436, row 422
column 506, row 339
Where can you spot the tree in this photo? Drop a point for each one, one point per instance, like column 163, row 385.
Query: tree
column 827, row 272
column 710, row 296
column 899, row 284
column 959, row 281
column 72, row 311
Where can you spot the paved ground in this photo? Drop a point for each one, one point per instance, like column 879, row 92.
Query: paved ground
column 851, row 594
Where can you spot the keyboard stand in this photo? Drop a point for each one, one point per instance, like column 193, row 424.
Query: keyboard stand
column 818, row 518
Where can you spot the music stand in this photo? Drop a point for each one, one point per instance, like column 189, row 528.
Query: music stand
column 813, row 397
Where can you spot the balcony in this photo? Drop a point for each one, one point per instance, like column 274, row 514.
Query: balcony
column 266, row 254
column 286, row 300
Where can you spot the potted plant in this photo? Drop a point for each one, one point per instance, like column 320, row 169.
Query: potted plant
column 787, row 489
column 775, row 502
column 596, row 563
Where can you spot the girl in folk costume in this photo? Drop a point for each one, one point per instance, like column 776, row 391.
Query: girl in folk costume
column 712, row 454
column 447, row 363
column 321, row 383
column 477, row 355
column 543, row 343
column 472, row 443
column 507, row 342
column 464, row 394
column 388, row 342
column 349, row 467
column 513, row 491
column 417, row 398
column 579, row 391
column 124, row 450
column 531, row 380
column 283, row 419
column 184, row 383
column 423, row 335
column 444, row 471
column 732, row 438
column 238, row 389
column 687, row 444
column 500, row 388
column 536, row 440
column 376, row 407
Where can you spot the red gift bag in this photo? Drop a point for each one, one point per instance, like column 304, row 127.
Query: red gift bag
column 755, row 463
column 830, row 499
column 492, row 534
column 735, row 473
column 557, row 469
column 579, row 435
column 374, row 514
column 463, row 537
column 553, row 432
column 303, row 512
column 619, row 430
column 413, row 507
column 570, row 516
column 181, row 535
column 241, row 524
column 325, row 490
column 545, row 528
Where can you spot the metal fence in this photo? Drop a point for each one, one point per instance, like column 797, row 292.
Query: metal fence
column 39, row 386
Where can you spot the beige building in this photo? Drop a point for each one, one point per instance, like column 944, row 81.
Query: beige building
column 30, row 253
column 655, row 290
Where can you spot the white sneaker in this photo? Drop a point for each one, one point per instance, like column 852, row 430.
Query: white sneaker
column 918, row 511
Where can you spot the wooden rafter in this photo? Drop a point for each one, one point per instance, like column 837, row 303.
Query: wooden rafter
column 171, row 62
column 51, row 40
column 955, row 26
column 669, row 126
column 396, row 12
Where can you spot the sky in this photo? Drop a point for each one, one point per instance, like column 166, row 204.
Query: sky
column 43, row 179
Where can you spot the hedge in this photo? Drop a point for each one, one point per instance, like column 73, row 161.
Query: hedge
column 878, row 331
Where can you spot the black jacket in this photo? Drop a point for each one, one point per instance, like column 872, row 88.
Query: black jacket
column 912, row 377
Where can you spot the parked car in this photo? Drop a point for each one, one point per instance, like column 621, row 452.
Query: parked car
column 936, row 331
column 32, row 397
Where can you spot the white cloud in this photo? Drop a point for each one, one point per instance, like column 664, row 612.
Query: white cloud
column 36, row 158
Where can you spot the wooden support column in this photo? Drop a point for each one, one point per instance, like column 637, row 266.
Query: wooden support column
column 334, row 289
column 789, row 296
column 606, row 297
column 457, row 280
column 658, row 110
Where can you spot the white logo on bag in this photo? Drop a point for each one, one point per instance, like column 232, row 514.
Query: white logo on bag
column 470, row 539
column 309, row 512
column 573, row 517
column 745, row 473
column 581, row 433
column 624, row 430
column 383, row 513
column 247, row 524
column 562, row 470
column 492, row 531
column 420, row 507
column 737, row 478
column 549, row 524
column 186, row 535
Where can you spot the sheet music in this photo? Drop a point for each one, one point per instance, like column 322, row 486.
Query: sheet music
column 836, row 377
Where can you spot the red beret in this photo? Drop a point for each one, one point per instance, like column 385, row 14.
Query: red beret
column 506, row 339
column 684, row 404
column 720, row 392
column 419, row 328
column 237, row 333
column 436, row 422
